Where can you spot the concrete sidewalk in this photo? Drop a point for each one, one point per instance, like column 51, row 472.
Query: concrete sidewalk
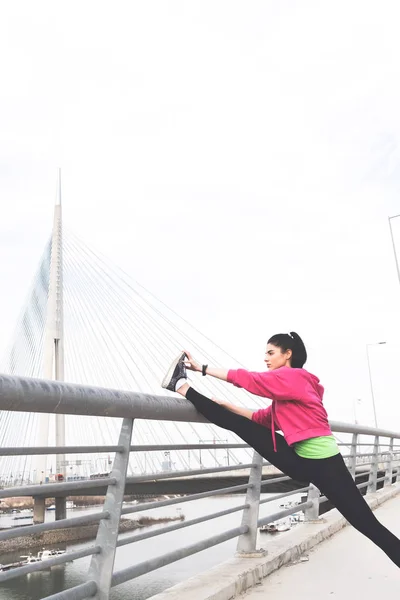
column 345, row 567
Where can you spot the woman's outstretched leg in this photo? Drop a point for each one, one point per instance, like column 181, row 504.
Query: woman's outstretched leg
column 333, row 479
column 257, row 436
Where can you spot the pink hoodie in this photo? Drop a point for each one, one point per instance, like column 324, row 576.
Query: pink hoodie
column 296, row 408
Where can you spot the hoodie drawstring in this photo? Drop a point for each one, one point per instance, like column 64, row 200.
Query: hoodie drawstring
column 273, row 426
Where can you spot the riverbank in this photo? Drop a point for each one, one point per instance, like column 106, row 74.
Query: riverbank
column 26, row 502
column 77, row 534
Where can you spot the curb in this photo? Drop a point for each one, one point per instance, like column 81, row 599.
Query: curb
column 237, row 575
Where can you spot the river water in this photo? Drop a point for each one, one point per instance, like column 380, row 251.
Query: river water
column 39, row 585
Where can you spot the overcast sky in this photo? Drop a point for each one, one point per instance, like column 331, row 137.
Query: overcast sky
column 239, row 159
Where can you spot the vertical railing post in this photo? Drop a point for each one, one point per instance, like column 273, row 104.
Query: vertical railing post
column 389, row 465
column 247, row 541
column 39, row 510
column 312, row 514
column 373, row 474
column 396, row 473
column 353, row 455
column 102, row 565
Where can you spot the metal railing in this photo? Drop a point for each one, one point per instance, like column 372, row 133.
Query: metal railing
column 33, row 395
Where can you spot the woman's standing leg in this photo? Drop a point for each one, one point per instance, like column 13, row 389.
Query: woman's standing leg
column 333, row 479
column 257, row 436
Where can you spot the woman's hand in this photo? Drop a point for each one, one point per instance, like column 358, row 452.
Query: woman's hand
column 193, row 365
column 190, row 363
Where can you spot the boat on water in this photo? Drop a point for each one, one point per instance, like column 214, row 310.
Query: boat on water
column 69, row 504
column 27, row 559
column 10, row 566
column 290, row 504
column 298, row 517
column 42, row 555
column 277, row 526
column 269, row 528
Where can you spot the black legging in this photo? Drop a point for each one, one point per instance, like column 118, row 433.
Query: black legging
column 330, row 475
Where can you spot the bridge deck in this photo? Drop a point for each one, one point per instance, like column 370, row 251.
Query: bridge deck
column 345, row 566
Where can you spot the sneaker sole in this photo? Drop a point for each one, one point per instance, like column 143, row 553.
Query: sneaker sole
column 170, row 372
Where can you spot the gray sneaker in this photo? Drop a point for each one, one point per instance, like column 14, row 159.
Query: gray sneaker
column 176, row 371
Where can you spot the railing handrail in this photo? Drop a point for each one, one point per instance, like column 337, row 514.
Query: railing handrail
column 25, row 394
column 340, row 427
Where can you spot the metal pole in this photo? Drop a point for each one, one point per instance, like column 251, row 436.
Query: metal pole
column 102, row 565
column 24, row 394
column 398, row 277
column 246, row 546
column 394, row 246
column 311, row 515
column 389, row 464
column 353, row 455
column 372, row 387
column 373, row 475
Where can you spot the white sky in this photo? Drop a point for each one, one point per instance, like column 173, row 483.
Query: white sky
column 239, row 159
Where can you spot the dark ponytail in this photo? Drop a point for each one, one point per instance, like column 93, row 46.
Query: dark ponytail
column 293, row 342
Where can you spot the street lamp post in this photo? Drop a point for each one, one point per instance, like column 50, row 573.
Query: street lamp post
column 370, row 379
column 394, row 245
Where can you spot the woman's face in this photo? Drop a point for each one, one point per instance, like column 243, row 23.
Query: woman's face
column 275, row 358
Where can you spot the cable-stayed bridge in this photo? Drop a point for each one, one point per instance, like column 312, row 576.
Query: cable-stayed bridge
column 86, row 321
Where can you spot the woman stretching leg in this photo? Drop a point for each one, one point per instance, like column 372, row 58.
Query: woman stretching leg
column 308, row 451
column 330, row 475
